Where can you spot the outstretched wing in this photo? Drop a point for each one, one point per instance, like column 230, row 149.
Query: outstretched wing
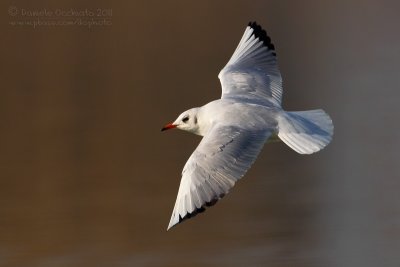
column 252, row 73
column 223, row 156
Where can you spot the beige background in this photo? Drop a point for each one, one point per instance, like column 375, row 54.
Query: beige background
column 88, row 179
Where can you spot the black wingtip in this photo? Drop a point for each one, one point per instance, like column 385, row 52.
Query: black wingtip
column 200, row 210
column 261, row 34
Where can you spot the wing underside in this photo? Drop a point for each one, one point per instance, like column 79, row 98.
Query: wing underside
column 222, row 158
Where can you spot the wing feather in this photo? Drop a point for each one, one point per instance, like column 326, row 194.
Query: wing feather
column 223, row 156
column 252, row 72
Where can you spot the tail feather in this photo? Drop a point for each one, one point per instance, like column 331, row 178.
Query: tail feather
column 306, row 132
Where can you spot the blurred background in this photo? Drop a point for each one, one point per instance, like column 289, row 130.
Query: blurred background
column 88, row 179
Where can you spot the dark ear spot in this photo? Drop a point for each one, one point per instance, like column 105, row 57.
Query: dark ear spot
column 195, row 119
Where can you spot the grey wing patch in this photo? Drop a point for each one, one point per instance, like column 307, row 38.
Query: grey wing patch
column 252, row 73
column 222, row 157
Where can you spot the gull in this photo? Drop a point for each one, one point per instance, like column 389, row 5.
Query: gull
column 236, row 127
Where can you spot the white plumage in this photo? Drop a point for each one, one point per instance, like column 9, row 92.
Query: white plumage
column 252, row 72
column 236, row 127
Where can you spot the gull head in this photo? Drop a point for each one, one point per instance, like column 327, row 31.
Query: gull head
column 187, row 121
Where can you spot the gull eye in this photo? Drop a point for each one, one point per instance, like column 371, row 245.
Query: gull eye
column 185, row 119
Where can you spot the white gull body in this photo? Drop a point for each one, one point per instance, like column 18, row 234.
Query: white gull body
column 236, row 127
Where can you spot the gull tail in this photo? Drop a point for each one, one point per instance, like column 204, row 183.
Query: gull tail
column 305, row 132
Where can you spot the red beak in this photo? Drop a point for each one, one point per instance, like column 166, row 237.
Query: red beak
column 168, row 126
